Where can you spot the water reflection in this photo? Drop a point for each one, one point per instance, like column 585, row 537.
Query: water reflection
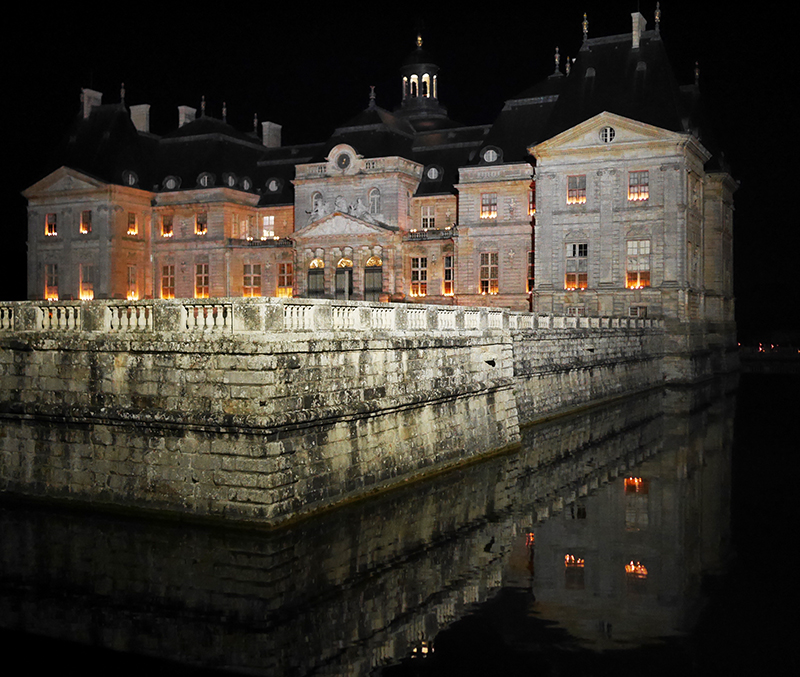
column 600, row 527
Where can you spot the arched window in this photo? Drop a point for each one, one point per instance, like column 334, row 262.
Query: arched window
column 374, row 201
column 316, row 202
column 426, row 85
column 316, row 263
column 373, row 279
column 373, row 262
column 345, row 263
column 414, row 85
column 316, row 279
column 344, row 279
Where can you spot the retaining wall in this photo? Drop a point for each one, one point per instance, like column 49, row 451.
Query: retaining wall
column 263, row 409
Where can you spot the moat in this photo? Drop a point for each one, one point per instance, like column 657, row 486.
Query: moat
column 628, row 537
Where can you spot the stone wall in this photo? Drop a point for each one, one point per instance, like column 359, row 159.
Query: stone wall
column 264, row 409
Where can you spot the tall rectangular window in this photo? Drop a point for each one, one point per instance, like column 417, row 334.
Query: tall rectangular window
column 529, row 287
column 268, row 227
column 201, row 225
column 448, row 286
column 577, row 266
column 638, row 186
column 133, row 224
column 488, row 205
column 51, row 281
column 419, row 276
column 251, row 282
column 86, row 274
column 428, row 213
column 576, row 189
column 637, row 264
column 51, row 225
column 168, row 282
column 489, row 273
column 201, row 290
column 133, row 284
column 532, row 199
column 167, row 229
column 285, row 280
column 86, row 222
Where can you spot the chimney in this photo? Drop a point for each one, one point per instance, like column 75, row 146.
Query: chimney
column 186, row 114
column 271, row 134
column 140, row 116
column 90, row 98
column 639, row 22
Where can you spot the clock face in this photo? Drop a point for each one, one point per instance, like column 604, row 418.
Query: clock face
column 343, row 161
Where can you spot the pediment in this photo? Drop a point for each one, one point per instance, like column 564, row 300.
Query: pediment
column 593, row 135
column 340, row 224
column 63, row 180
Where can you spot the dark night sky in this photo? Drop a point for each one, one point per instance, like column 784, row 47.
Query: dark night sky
column 310, row 70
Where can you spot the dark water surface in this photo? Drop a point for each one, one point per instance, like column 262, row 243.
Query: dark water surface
column 651, row 537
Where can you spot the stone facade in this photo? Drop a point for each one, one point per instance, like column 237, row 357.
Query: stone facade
column 261, row 409
column 593, row 193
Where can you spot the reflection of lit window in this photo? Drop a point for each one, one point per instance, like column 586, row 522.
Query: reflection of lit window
column 576, row 189
column 573, row 572
column 636, row 502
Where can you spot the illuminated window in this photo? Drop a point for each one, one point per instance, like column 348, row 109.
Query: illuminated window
column 51, row 281
column 267, row 227
column 316, row 278
column 489, row 273
column 428, row 217
column 448, row 286
column 201, row 290
column 636, row 577
column 86, row 222
column 133, row 285
column 251, row 282
column 166, row 227
column 577, row 258
column 51, row 225
column 574, row 572
column 576, row 311
column 576, row 189
column 373, row 279
column 532, row 199
column 343, row 279
column 285, row 280
column 531, row 280
column 201, row 225
column 638, row 186
column 419, row 276
column 168, row 282
column 133, row 224
column 637, row 264
column 488, row 205
column 374, row 201
column 87, row 281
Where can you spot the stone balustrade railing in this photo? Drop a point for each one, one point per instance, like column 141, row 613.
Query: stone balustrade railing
column 194, row 316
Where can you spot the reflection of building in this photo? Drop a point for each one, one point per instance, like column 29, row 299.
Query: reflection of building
column 632, row 210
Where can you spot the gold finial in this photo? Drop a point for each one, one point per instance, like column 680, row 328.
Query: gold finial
column 568, row 65
column 658, row 18
column 557, row 60
column 585, row 27
column 122, row 93
column 419, row 39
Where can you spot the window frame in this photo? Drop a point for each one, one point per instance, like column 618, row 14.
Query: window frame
column 576, row 266
column 448, row 275
column 576, row 189
column 251, row 280
column 489, row 274
column 419, row 276
column 133, row 224
column 51, row 281
column 488, row 206
column 202, row 288
column 85, row 225
column 639, row 185
column 285, row 280
column 201, row 223
column 168, row 281
column 51, row 224
column 638, row 263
